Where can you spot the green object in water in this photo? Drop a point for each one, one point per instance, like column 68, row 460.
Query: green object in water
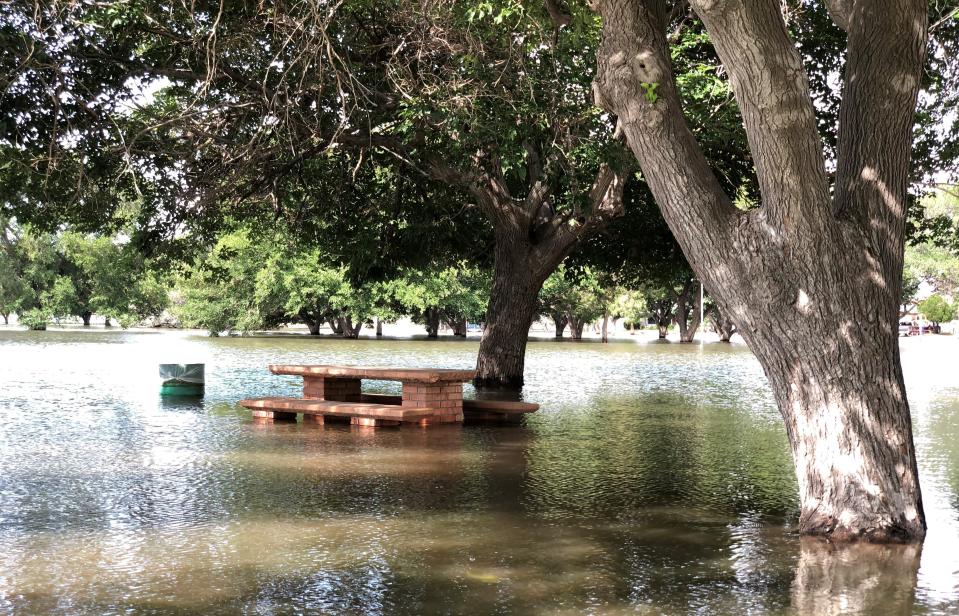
column 181, row 379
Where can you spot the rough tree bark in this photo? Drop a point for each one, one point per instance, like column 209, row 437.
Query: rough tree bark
column 531, row 241
column 86, row 318
column 812, row 278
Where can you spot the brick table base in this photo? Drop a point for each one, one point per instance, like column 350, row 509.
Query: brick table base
column 324, row 388
column 446, row 399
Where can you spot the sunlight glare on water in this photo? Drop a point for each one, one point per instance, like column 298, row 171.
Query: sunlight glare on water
column 655, row 479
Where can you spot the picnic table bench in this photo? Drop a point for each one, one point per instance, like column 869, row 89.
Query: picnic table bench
column 429, row 396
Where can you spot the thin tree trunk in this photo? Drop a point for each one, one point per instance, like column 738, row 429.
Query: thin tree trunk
column 605, row 336
column 6, row 318
column 379, row 328
column 107, row 322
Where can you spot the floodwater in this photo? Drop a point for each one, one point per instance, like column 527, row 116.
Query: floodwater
column 656, row 479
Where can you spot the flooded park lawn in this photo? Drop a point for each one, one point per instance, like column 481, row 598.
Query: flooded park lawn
column 655, row 479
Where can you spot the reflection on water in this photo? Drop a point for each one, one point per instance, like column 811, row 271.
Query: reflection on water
column 655, row 479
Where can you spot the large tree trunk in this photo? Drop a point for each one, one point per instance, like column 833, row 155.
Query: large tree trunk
column 812, row 278
column 312, row 323
column 531, row 241
column 86, row 318
column 512, row 308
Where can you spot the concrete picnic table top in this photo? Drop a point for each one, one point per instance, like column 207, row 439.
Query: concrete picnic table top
column 407, row 375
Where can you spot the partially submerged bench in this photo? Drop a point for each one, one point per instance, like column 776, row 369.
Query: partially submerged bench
column 316, row 411
column 430, row 396
column 474, row 411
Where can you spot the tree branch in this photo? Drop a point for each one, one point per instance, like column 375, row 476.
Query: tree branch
column 886, row 51
column 772, row 90
column 634, row 80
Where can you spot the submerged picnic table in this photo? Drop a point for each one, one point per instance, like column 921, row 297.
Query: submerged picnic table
column 430, row 396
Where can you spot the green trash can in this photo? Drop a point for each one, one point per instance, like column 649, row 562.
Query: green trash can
column 181, row 379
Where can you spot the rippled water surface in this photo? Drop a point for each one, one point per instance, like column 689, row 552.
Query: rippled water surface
column 655, row 479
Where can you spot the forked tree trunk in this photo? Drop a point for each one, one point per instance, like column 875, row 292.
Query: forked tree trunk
column 687, row 312
column 663, row 329
column 336, row 325
column 561, row 321
column 576, row 327
column 724, row 326
column 458, row 325
column 531, row 241
column 812, row 278
column 6, row 318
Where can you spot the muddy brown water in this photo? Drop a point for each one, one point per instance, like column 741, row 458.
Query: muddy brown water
column 656, row 479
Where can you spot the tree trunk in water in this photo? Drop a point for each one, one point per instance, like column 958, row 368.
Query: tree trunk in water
column 576, row 328
column 86, row 318
column 336, row 325
column 605, row 326
column 347, row 329
column 511, row 310
column 458, row 325
column 107, row 322
column 6, row 318
column 812, row 278
column 687, row 311
column 432, row 318
column 313, row 324
column 379, row 327
column 663, row 329
column 724, row 326
column 561, row 321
